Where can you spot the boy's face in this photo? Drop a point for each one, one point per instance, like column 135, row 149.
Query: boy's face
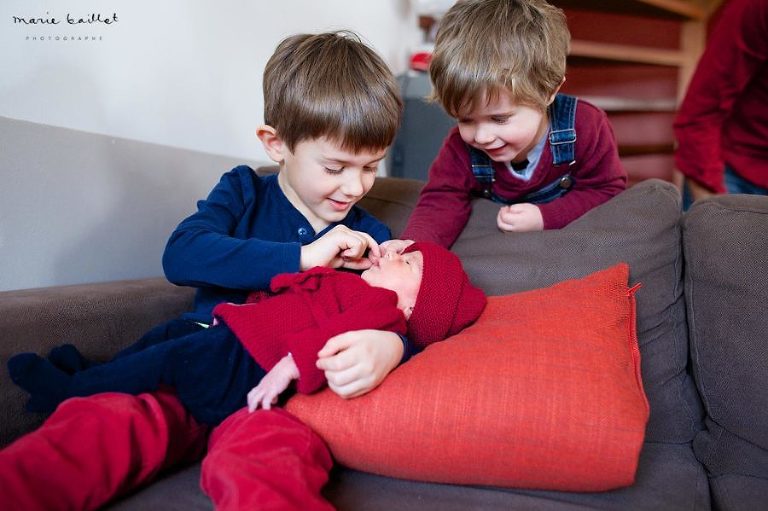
column 400, row 273
column 504, row 130
column 323, row 181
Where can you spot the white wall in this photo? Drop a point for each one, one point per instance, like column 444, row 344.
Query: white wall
column 180, row 73
column 185, row 73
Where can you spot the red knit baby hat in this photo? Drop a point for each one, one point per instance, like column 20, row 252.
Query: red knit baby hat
column 447, row 301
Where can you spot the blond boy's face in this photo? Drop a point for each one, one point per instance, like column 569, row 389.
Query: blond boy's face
column 323, row 181
column 400, row 273
column 504, row 130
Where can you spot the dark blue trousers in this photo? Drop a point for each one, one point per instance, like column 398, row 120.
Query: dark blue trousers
column 209, row 368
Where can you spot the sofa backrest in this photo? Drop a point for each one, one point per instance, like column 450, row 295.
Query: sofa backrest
column 725, row 242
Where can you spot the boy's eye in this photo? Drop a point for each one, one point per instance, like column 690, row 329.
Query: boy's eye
column 371, row 169
column 334, row 170
column 500, row 119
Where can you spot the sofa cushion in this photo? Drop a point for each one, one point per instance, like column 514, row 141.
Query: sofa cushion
column 668, row 478
column 519, row 399
column 726, row 288
column 639, row 226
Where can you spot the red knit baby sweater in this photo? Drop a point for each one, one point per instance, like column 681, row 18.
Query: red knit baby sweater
column 302, row 311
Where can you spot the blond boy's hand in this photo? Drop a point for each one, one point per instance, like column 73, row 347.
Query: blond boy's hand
column 520, row 218
column 357, row 362
column 273, row 384
column 339, row 247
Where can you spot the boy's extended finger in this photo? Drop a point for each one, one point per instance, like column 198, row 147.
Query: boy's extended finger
column 374, row 250
column 357, row 264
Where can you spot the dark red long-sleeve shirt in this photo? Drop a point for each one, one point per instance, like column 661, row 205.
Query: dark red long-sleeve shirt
column 724, row 116
column 445, row 202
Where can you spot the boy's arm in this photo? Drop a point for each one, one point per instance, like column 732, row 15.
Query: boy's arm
column 597, row 174
column 202, row 251
column 444, row 204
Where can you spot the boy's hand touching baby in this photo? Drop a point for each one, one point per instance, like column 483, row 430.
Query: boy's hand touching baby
column 340, row 247
column 273, row 384
column 396, row 246
column 523, row 217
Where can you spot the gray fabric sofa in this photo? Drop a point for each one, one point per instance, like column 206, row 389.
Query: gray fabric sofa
column 701, row 325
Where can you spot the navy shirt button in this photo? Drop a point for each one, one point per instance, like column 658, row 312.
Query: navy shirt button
column 302, row 231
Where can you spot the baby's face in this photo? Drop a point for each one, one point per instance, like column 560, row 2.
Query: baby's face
column 400, row 273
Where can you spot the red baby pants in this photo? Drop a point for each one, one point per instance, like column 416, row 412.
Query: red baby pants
column 91, row 450
column 266, row 460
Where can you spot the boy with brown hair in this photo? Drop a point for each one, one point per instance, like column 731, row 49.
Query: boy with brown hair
column 545, row 157
column 332, row 109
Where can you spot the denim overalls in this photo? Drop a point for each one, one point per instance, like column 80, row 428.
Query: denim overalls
column 562, row 143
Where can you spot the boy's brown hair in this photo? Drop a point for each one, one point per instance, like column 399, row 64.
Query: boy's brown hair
column 331, row 85
column 484, row 46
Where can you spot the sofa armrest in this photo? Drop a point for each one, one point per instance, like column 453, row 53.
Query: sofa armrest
column 97, row 318
column 725, row 240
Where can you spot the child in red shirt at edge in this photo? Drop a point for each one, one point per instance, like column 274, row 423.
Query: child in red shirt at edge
column 545, row 157
column 332, row 108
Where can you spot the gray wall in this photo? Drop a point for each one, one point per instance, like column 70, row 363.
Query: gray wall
column 78, row 207
column 183, row 73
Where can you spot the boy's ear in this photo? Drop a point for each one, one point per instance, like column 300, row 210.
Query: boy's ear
column 273, row 144
column 552, row 97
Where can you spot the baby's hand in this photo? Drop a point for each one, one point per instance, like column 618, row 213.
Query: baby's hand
column 396, row 246
column 520, row 218
column 273, row 384
column 341, row 246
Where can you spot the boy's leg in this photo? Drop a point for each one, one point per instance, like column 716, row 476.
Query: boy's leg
column 94, row 449
column 136, row 373
column 69, row 359
column 172, row 329
column 266, row 460
column 211, row 371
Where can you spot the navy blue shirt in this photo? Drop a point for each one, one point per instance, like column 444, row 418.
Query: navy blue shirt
column 241, row 236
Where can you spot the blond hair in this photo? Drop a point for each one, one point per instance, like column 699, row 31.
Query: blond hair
column 485, row 46
column 331, row 85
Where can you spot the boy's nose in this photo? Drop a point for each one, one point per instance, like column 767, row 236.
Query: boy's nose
column 483, row 135
column 353, row 185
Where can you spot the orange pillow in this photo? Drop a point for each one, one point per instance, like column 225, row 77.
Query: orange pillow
column 543, row 392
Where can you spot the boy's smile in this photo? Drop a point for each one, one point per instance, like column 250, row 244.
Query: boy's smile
column 506, row 131
column 323, row 181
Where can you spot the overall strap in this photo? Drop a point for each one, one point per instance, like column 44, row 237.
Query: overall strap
column 482, row 169
column 562, row 137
